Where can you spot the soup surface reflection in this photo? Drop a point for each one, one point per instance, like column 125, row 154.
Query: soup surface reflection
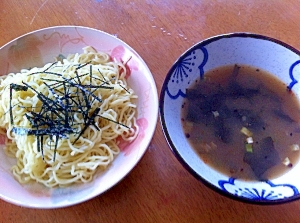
column 243, row 122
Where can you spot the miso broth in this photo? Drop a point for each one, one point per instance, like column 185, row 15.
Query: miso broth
column 243, row 122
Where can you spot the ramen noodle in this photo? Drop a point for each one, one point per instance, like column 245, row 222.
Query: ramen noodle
column 65, row 120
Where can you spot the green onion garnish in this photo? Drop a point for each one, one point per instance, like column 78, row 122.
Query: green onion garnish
column 249, row 148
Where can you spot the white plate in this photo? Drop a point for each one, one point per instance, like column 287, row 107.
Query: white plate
column 41, row 46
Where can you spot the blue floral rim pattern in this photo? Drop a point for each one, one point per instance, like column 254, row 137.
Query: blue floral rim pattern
column 184, row 65
column 274, row 192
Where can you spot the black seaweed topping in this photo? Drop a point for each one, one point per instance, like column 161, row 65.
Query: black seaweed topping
column 55, row 116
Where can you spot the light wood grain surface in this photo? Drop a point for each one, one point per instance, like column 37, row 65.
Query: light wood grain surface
column 159, row 189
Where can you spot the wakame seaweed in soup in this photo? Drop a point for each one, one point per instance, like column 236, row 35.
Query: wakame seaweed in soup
column 243, row 122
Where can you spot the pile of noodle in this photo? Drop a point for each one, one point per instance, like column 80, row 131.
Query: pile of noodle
column 96, row 148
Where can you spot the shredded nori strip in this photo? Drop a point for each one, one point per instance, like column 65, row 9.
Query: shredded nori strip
column 90, row 121
column 124, row 88
column 15, row 87
column 55, row 117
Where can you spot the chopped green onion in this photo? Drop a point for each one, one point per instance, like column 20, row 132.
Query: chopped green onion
column 249, row 148
column 295, row 147
column 246, row 131
column 286, row 161
column 249, row 140
column 215, row 113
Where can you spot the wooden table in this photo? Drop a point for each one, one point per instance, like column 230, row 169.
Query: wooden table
column 159, row 189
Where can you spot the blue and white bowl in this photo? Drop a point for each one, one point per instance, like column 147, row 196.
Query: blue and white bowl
column 259, row 51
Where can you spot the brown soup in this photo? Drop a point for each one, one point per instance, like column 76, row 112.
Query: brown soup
column 243, row 122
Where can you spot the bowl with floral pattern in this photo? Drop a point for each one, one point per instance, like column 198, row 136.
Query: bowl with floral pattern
column 212, row 104
column 39, row 47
